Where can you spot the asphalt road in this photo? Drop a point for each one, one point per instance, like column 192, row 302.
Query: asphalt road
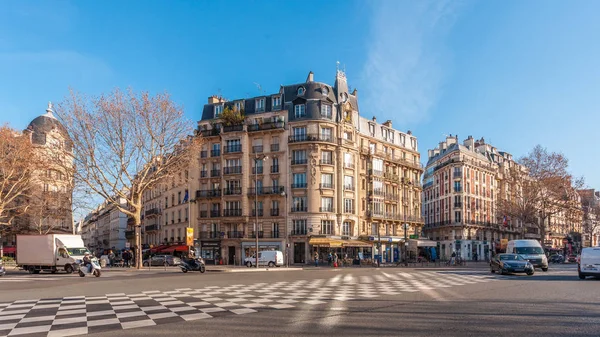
column 355, row 301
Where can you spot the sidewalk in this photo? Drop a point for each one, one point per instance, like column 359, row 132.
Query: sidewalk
column 209, row 269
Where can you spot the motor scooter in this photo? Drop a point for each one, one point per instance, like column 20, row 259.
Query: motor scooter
column 196, row 264
column 93, row 269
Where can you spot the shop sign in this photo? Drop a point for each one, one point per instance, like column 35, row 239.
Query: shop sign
column 413, row 236
column 189, row 236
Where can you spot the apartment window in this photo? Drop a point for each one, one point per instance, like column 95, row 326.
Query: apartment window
column 348, row 135
column 299, row 157
column 327, row 227
column 299, row 204
column 276, row 101
column 260, row 104
column 238, row 106
column 233, row 142
column 326, row 204
column 348, row 160
column 299, row 110
column 275, row 204
column 457, row 217
column 327, row 157
column 372, row 148
column 218, row 110
column 178, row 215
column 300, row 227
column 348, row 205
column 346, row 228
column 349, row 183
column 299, row 132
column 233, row 205
column 372, row 129
column 326, row 111
column 299, row 180
column 374, row 229
column 327, row 134
column 300, row 91
column 377, row 166
column 326, row 180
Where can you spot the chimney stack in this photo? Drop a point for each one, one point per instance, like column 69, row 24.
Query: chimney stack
column 388, row 123
column 215, row 99
column 310, row 77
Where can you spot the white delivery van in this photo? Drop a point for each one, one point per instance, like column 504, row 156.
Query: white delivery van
column 530, row 250
column 271, row 258
column 51, row 252
column 589, row 262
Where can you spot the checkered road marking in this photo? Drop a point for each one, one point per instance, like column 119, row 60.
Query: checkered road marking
column 79, row 315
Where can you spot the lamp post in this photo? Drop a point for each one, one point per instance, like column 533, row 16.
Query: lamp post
column 405, row 243
column 257, row 158
column 287, row 236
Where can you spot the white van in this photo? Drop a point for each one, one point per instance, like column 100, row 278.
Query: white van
column 530, row 250
column 589, row 262
column 271, row 258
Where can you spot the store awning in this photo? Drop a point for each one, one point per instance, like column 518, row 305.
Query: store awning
column 325, row 242
column 9, row 250
column 356, row 243
column 171, row 249
column 157, row 248
column 422, row 243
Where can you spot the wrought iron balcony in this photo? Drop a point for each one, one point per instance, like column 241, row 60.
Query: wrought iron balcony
column 232, row 212
column 215, row 214
column 232, row 170
column 260, row 212
column 300, row 209
column 275, row 169
column 152, row 228
column 261, row 234
column 274, row 211
column 297, row 232
column 257, row 170
column 301, row 161
column 274, row 147
column 203, row 154
column 204, row 214
column 299, row 185
column 257, row 149
column 266, row 126
column 210, row 235
column 232, row 191
column 215, row 153
column 215, row 173
column 233, row 128
column 235, row 235
column 208, row 193
column 233, row 148
column 326, row 209
column 326, row 185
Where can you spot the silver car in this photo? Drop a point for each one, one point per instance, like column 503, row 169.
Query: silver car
column 162, row 260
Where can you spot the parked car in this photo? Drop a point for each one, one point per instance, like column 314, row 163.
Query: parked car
column 572, row 258
column 589, row 262
column 162, row 260
column 511, row 263
column 271, row 258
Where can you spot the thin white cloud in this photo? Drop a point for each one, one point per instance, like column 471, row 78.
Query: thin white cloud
column 405, row 66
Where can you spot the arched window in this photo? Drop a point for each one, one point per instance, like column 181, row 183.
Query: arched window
column 300, row 91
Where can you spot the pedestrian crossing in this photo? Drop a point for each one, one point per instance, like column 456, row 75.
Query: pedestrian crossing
column 83, row 314
column 43, row 278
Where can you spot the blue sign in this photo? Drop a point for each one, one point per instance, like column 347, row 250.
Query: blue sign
column 371, row 238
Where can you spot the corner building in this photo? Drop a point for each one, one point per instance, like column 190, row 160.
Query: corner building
column 325, row 178
column 461, row 190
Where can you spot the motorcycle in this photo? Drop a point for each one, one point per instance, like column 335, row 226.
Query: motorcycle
column 93, row 269
column 557, row 259
column 192, row 265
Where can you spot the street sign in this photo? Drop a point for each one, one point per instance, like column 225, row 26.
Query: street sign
column 413, row 236
column 189, row 236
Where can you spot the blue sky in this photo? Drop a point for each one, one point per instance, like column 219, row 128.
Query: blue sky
column 518, row 73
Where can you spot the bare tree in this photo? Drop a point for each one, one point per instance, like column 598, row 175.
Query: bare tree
column 546, row 189
column 124, row 143
column 17, row 164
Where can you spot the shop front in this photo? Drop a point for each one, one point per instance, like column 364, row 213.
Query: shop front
column 347, row 249
column 249, row 248
column 390, row 247
column 210, row 251
column 422, row 249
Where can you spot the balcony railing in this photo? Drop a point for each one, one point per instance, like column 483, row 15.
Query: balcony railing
column 232, row 170
column 153, row 211
column 348, row 187
column 261, row 234
column 232, row 191
column 326, row 209
column 129, row 234
column 257, row 170
column 152, row 228
column 215, row 153
column 298, row 232
column 208, row 193
column 210, row 235
column 203, row 154
column 348, row 165
column 233, row 148
column 457, row 189
column 274, row 211
column 301, row 161
column 458, row 204
column 300, row 209
column 235, row 235
column 232, row 212
column 215, row 213
column 210, row 133
column 215, row 173
column 203, row 174
column 204, row 214
column 349, row 210
column 275, row 169
column 391, row 197
column 274, row 147
column 457, row 174
column 233, row 128
column 311, row 137
column 260, row 212
column 299, row 185
column 265, row 190
column 266, row 126
column 326, row 162
column 257, row 149
column 326, row 185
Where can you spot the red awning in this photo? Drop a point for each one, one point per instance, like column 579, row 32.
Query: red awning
column 9, row 250
column 158, row 248
column 171, row 249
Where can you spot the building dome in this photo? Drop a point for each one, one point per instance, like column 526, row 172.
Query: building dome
column 41, row 126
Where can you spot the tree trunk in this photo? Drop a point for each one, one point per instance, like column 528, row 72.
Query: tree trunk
column 138, row 243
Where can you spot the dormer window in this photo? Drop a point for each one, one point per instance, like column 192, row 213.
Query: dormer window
column 326, row 111
column 260, row 104
column 276, row 102
column 218, row 110
column 299, row 111
column 325, row 91
column 300, row 91
column 238, row 106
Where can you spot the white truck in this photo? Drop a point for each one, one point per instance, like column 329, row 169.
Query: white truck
column 51, row 252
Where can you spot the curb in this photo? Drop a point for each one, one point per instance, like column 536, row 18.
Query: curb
column 251, row 270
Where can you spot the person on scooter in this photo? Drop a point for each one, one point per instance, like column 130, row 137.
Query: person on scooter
column 87, row 261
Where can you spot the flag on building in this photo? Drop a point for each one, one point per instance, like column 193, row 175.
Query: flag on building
column 505, row 221
column 185, row 199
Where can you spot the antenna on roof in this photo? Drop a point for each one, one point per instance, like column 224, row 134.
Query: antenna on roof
column 337, row 65
column 260, row 89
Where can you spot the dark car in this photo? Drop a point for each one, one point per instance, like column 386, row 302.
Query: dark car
column 162, row 260
column 510, row 263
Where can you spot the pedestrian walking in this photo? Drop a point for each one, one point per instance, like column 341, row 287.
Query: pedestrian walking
column 316, row 259
column 329, row 259
column 111, row 258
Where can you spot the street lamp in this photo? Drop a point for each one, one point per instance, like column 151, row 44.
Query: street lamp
column 257, row 158
column 287, row 237
column 405, row 226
